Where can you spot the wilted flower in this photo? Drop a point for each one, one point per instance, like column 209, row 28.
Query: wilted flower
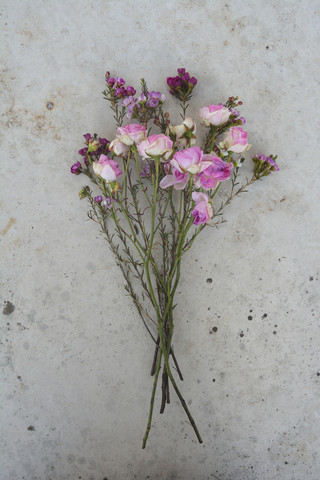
column 76, row 168
column 184, row 134
column 118, row 148
column 93, row 145
column 84, row 192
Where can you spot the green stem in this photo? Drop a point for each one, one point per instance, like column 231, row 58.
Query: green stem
column 168, row 370
column 214, row 130
column 155, row 382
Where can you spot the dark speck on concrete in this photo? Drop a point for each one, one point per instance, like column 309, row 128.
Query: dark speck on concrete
column 31, row 428
column 264, row 315
column 8, row 308
column 241, row 334
column 250, row 317
column 274, row 332
column 318, row 374
column 49, row 105
column 209, row 280
column 213, row 379
column 215, row 329
column 267, row 47
column 310, row 278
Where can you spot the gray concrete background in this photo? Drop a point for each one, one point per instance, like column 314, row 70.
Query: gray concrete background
column 75, row 358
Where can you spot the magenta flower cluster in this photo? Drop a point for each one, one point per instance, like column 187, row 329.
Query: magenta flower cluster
column 235, row 117
column 116, row 85
column 264, row 165
column 95, row 145
column 182, row 84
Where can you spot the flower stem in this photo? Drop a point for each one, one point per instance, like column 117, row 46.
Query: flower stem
column 169, row 373
column 155, row 382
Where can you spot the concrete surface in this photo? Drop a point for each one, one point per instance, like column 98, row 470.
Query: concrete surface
column 74, row 355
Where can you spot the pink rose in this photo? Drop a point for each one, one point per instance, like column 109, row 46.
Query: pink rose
column 218, row 171
column 202, row 211
column 118, row 148
column 106, row 169
column 189, row 160
column 214, row 115
column 236, row 140
column 154, row 146
column 132, row 133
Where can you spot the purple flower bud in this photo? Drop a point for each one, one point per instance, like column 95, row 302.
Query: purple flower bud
column 85, row 160
column 120, row 92
column 76, row 168
column 131, row 90
column 120, row 82
column 130, row 109
column 128, row 101
column 169, row 81
column 153, row 102
column 193, row 81
column 181, row 71
column 103, row 141
column 98, row 199
column 108, row 202
column 111, row 81
column 83, row 151
column 145, row 172
column 274, row 166
column 87, row 136
column 141, row 98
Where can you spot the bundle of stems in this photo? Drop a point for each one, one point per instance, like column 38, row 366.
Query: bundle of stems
column 149, row 229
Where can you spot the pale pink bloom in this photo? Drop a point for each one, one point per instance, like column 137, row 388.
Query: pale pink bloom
column 189, row 160
column 106, row 169
column 202, row 211
column 218, row 171
column 155, row 146
column 236, row 140
column 177, row 179
column 132, row 133
column 214, row 115
column 118, row 148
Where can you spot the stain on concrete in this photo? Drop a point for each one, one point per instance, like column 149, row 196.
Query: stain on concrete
column 11, row 222
column 8, row 308
column 31, row 428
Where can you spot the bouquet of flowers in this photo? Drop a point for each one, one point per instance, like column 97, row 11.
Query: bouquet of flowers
column 152, row 195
